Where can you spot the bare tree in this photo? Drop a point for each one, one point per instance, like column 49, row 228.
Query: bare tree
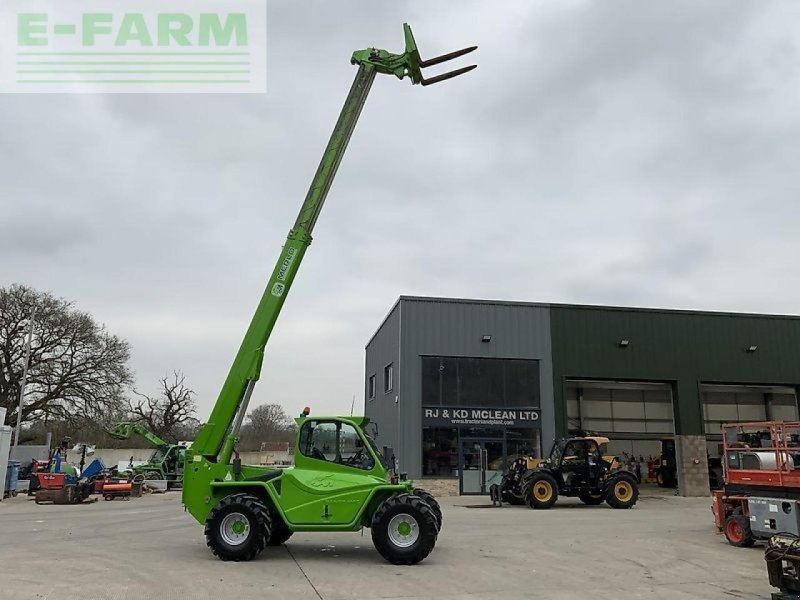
column 171, row 413
column 266, row 423
column 77, row 369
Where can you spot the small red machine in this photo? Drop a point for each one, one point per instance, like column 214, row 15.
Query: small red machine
column 761, row 490
column 52, row 481
column 120, row 489
column 115, row 487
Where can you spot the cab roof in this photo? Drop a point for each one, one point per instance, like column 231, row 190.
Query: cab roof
column 360, row 422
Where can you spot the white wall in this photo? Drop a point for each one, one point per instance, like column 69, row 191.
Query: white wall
column 111, row 456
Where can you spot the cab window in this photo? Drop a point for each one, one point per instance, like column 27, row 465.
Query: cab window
column 336, row 443
column 575, row 451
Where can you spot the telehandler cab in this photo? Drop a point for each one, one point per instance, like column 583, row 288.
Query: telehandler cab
column 340, row 482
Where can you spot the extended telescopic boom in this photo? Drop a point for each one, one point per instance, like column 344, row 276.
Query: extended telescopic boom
column 217, row 438
column 124, row 430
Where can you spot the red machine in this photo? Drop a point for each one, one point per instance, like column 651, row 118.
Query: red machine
column 761, row 468
column 52, row 481
column 118, row 487
column 121, row 489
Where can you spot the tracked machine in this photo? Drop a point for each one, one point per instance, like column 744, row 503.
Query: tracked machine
column 340, row 480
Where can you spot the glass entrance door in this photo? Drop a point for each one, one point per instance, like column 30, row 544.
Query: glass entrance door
column 480, row 465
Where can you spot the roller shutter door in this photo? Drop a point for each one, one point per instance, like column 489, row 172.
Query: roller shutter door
column 621, row 410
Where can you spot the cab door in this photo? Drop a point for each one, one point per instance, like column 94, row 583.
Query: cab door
column 331, row 479
column 575, row 464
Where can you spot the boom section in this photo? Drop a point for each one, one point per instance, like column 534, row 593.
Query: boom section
column 246, row 366
column 124, row 430
column 218, row 436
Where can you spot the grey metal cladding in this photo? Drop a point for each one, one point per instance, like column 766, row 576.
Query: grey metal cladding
column 446, row 327
column 381, row 350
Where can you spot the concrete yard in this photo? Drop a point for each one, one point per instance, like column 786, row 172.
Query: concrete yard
column 149, row 548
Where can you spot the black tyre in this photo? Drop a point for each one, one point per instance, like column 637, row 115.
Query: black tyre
column 279, row 532
column 715, row 479
column 661, row 479
column 591, row 499
column 431, row 501
column 238, row 527
column 622, row 492
column 514, row 499
column 404, row 529
column 738, row 532
column 153, row 475
column 541, row 491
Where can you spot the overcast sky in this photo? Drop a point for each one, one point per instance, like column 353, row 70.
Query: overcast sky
column 621, row 152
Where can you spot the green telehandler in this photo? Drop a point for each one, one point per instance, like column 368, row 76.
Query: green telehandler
column 340, row 481
column 167, row 460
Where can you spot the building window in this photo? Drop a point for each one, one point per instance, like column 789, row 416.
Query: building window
column 371, row 389
column 388, row 378
column 479, row 382
column 439, row 452
column 523, row 442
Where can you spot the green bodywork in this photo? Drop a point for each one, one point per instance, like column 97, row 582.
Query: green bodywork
column 311, row 496
column 167, row 459
column 314, row 494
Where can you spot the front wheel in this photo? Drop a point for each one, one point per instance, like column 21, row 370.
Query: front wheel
column 238, row 527
column 514, row 499
column 404, row 529
column 738, row 532
column 428, row 498
column 153, row 476
column 622, row 493
column 541, row 491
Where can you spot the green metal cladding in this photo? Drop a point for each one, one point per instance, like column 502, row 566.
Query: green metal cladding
column 682, row 348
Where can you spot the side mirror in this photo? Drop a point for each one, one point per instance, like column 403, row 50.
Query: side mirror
column 389, row 458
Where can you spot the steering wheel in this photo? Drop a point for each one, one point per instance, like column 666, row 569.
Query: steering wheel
column 357, row 458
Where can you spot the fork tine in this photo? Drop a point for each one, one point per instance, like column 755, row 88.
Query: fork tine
column 448, row 75
column 445, row 57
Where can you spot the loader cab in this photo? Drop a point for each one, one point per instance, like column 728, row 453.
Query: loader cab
column 578, row 461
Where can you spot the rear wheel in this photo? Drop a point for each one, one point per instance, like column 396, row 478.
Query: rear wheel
column 431, row 501
column 541, row 491
column 238, row 527
column 404, row 529
column 591, row 499
column 622, row 493
column 738, row 532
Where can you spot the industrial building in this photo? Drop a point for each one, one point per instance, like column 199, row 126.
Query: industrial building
column 457, row 386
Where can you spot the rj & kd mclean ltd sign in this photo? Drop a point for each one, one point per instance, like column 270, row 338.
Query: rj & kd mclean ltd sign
column 449, row 416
